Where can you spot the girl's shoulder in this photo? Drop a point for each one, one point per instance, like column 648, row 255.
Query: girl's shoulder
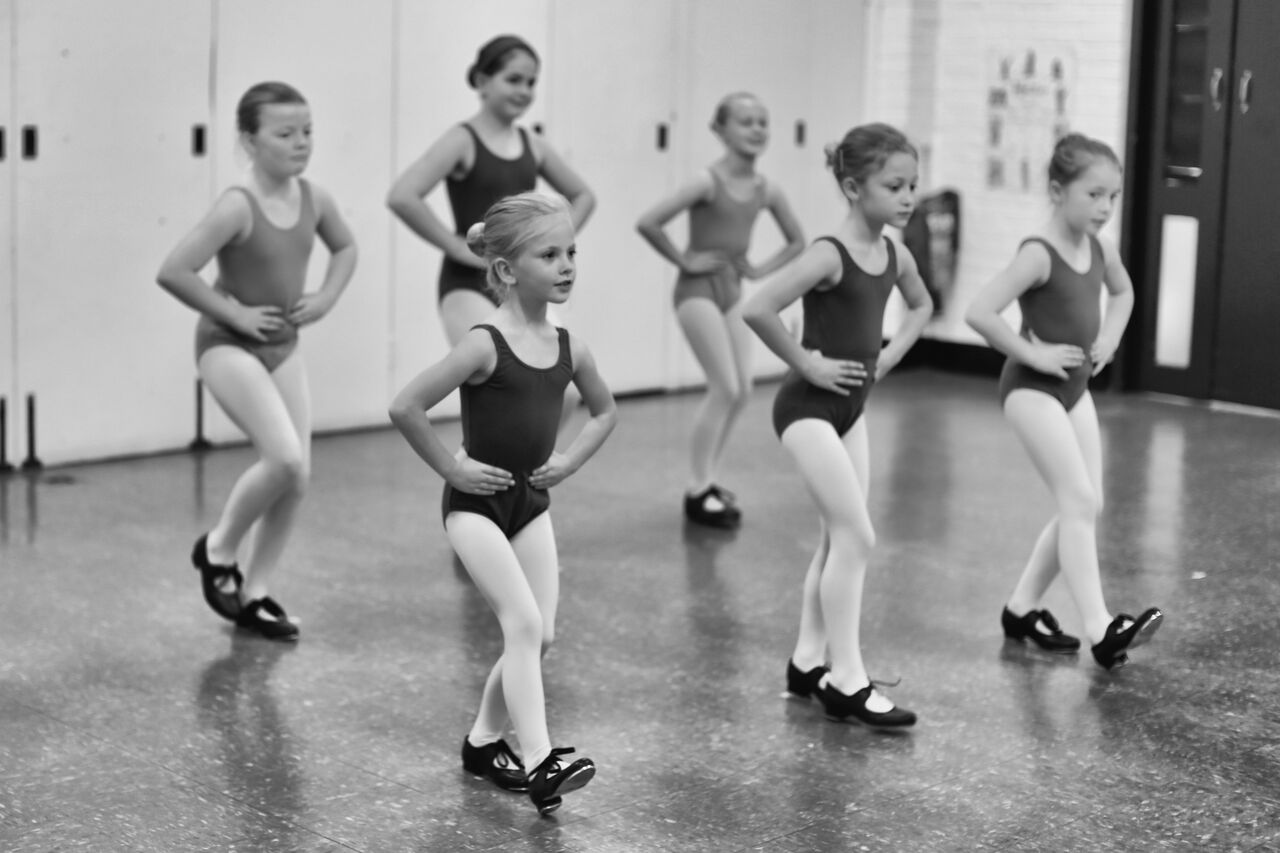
column 322, row 201
column 1034, row 259
column 1110, row 251
column 233, row 211
column 704, row 183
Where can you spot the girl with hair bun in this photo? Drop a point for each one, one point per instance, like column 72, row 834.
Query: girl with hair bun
column 723, row 203
column 485, row 158
column 512, row 372
column 843, row 281
column 1057, row 277
column 261, row 231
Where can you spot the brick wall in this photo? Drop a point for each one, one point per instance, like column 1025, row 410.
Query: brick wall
column 931, row 68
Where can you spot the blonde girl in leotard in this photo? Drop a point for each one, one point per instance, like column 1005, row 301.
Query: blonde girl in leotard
column 512, row 372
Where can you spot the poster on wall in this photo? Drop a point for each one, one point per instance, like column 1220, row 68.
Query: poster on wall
column 1028, row 100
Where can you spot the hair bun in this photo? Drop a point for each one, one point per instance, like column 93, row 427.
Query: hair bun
column 830, row 150
column 475, row 239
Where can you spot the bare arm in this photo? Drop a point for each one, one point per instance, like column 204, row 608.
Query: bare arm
column 651, row 227
column 341, row 243
column 819, row 263
column 1029, row 268
column 604, row 417
column 780, row 208
column 919, row 310
column 473, row 358
column 229, row 221
column 565, row 181
column 1119, row 307
column 407, row 195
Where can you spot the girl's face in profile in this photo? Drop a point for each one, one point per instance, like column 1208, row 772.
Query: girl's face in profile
column 1086, row 204
column 509, row 90
column 282, row 144
column 888, row 195
column 545, row 266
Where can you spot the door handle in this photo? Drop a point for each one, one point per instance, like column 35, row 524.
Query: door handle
column 1215, row 89
column 30, row 142
column 1246, row 90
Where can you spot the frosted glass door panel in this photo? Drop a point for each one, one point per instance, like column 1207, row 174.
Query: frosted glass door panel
column 1175, row 302
column 435, row 43
column 111, row 185
column 337, row 54
column 607, row 125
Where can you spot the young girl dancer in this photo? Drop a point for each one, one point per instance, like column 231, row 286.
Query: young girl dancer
column 261, row 233
column 1057, row 277
column 485, row 158
column 513, row 373
column 723, row 203
column 843, row 281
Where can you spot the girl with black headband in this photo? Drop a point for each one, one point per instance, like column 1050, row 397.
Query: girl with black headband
column 484, row 159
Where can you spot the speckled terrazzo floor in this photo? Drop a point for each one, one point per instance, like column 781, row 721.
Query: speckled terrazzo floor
column 131, row 719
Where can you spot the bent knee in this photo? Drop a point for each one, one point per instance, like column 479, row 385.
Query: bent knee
column 1080, row 503
column 524, row 630
column 291, row 470
column 853, row 537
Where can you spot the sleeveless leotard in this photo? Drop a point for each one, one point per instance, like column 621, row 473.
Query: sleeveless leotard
column 510, row 420
column 720, row 224
column 268, row 268
column 491, row 178
column 844, row 322
column 1064, row 310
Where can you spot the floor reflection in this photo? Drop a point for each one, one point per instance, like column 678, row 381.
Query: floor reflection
column 259, row 754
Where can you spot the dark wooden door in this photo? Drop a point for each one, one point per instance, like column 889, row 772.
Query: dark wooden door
column 1246, row 366
column 1185, row 90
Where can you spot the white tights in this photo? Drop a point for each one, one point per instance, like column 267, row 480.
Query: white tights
column 1066, row 449
column 835, row 470
column 722, row 345
column 520, row 578
column 274, row 411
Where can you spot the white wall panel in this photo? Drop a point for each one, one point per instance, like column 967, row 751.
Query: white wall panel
column 337, row 53
column 613, row 83
column 8, row 327
column 113, row 186
column 762, row 47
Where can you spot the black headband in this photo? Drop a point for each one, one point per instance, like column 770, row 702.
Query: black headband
column 492, row 51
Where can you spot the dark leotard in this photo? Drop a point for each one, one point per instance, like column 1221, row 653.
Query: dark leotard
column 1064, row 310
column 720, row 224
column 490, row 178
column 843, row 322
column 268, row 268
column 510, row 421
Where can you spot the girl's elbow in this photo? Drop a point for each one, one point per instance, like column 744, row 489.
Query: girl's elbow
column 399, row 200
column 167, row 278
column 400, row 411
